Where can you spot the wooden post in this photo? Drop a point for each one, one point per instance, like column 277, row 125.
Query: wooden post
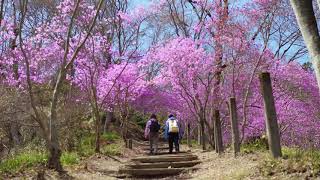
column 199, row 135
column 129, row 143
column 217, row 132
column 234, row 125
column 270, row 115
column 189, row 135
column 203, row 137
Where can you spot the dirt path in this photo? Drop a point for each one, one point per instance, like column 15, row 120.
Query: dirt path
column 225, row 166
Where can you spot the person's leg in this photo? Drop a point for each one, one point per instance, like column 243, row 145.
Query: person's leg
column 176, row 142
column 156, row 140
column 151, row 143
column 170, row 137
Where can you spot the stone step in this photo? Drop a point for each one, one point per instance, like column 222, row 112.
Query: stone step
column 165, row 158
column 154, row 172
column 163, row 165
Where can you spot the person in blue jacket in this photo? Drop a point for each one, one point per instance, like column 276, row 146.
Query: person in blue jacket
column 173, row 133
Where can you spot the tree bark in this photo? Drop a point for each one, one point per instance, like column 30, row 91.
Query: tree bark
column 199, row 135
column 54, row 152
column 15, row 134
column 217, row 132
column 189, row 135
column 203, row 137
column 303, row 10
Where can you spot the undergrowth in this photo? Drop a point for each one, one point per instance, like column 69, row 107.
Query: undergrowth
column 295, row 160
column 27, row 158
column 258, row 145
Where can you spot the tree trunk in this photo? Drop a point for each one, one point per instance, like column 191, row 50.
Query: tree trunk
column 98, row 133
column 54, row 150
column 199, row 135
column 54, row 157
column 303, row 10
column 189, row 135
column 15, row 134
column 217, row 132
column 203, row 137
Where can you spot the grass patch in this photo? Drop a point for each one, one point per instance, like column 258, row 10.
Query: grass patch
column 110, row 136
column 193, row 142
column 22, row 161
column 238, row 175
column 69, row 158
column 86, row 146
column 258, row 145
column 294, row 160
column 112, row 149
column 28, row 159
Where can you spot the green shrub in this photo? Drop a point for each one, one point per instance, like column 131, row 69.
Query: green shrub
column 112, row 149
column 194, row 143
column 139, row 118
column 110, row 136
column 69, row 158
column 22, row 161
column 295, row 160
column 270, row 166
column 255, row 146
column 307, row 159
column 86, row 145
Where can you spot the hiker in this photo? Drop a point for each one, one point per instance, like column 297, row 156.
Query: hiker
column 152, row 133
column 173, row 133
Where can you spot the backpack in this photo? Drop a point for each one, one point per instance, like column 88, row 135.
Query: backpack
column 154, row 126
column 173, row 126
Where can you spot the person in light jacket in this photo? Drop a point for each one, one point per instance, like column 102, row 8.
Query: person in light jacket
column 152, row 133
column 173, row 133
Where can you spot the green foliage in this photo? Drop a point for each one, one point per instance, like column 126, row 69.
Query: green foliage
column 86, row 145
column 69, row 158
column 295, row 160
column 257, row 145
column 29, row 157
column 110, row 136
column 270, row 166
column 139, row 118
column 194, row 143
column 112, row 149
column 23, row 160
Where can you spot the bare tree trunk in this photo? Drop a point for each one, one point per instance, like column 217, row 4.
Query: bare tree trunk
column 199, row 135
column 203, row 137
column 98, row 130
column 189, row 135
column 54, row 150
column 303, row 10
column 15, row 134
column 217, row 132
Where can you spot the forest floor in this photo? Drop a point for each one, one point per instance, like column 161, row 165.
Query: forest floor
column 244, row 166
column 251, row 165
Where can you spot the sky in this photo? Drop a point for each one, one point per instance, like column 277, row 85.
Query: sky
column 239, row 3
